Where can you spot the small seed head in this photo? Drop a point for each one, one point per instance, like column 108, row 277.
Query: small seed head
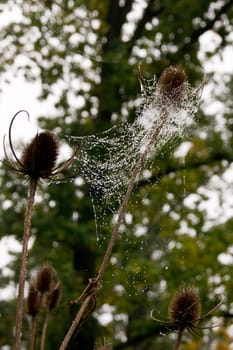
column 185, row 308
column 171, row 84
column 34, row 301
column 54, row 296
column 44, row 278
column 40, row 155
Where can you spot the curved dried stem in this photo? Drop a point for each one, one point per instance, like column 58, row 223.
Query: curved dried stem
column 10, row 138
column 156, row 319
column 213, row 309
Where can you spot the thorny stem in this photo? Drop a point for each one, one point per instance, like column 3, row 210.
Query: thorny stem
column 33, row 332
column 178, row 339
column 23, row 263
column 44, row 331
column 115, row 231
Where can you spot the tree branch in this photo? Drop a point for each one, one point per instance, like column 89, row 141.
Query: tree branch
column 149, row 13
column 209, row 25
column 171, row 168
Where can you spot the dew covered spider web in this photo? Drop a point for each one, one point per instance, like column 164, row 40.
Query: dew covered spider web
column 106, row 160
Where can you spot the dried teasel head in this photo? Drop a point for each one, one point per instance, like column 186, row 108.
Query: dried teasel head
column 38, row 160
column 185, row 308
column 34, row 301
column 40, row 155
column 171, row 84
column 44, row 278
column 54, row 296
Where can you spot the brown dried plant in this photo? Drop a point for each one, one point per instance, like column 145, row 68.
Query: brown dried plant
column 38, row 161
column 44, row 294
column 185, row 312
column 171, row 88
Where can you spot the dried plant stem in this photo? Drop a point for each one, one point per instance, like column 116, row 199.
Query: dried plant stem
column 129, row 191
column 75, row 322
column 115, row 231
column 33, row 332
column 44, row 330
column 23, row 264
column 178, row 339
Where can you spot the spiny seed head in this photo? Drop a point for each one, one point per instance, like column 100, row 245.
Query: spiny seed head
column 34, row 301
column 185, row 308
column 171, row 84
column 40, row 155
column 54, row 296
column 44, row 278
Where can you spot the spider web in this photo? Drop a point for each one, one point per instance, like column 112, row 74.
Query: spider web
column 106, row 160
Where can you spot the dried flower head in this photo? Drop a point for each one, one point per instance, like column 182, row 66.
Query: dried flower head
column 54, row 296
column 44, row 278
column 185, row 310
column 39, row 157
column 171, row 84
column 34, row 301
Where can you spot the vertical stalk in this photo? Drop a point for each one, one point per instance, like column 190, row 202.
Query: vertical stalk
column 178, row 339
column 44, row 330
column 33, row 332
column 23, row 263
column 115, row 231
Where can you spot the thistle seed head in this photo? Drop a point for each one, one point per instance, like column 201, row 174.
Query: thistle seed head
column 40, row 155
column 45, row 278
column 185, row 308
column 54, row 296
column 34, row 301
column 171, row 84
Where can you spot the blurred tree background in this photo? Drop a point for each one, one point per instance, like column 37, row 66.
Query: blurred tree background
column 85, row 54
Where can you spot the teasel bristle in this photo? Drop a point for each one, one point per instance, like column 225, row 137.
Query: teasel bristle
column 185, row 308
column 34, row 301
column 54, row 296
column 171, row 84
column 44, row 278
column 40, row 155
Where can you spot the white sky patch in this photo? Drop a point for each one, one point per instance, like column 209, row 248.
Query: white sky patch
column 183, row 149
column 104, row 314
column 7, row 244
